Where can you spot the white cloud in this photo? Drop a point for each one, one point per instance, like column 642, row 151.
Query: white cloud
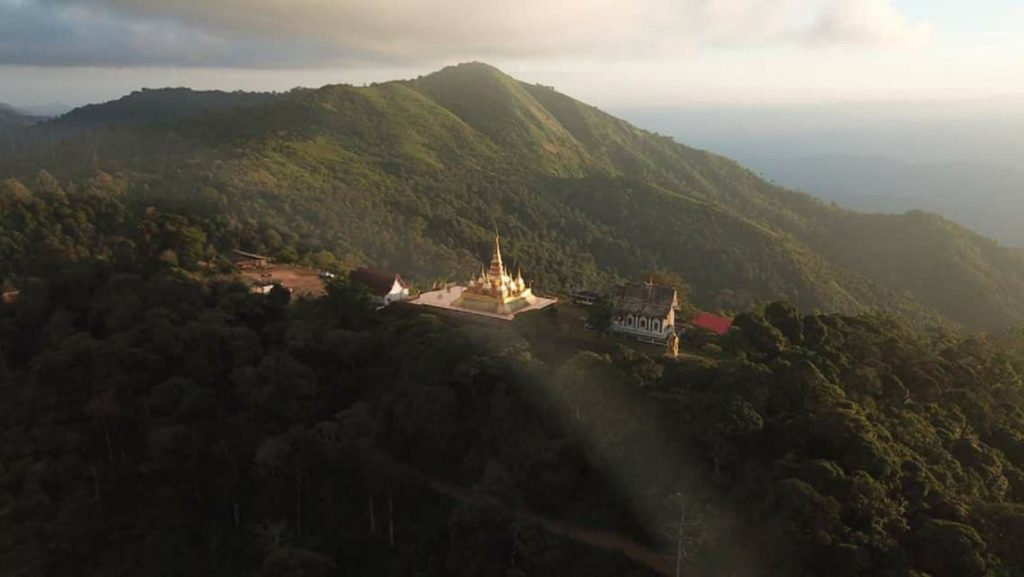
column 865, row 22
column 289, row 33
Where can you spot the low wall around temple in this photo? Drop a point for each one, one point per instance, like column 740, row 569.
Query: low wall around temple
column 446, row 299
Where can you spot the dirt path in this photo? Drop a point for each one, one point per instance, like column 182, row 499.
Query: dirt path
column 303, row 281
column 663, row 564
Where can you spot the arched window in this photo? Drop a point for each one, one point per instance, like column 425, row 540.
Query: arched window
column 656, row 326
column 630, row 321
column 643, row 322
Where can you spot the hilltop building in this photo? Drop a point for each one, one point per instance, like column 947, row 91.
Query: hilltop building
column 247, row 260
column 385, row 287
column 494, row 293
column 584, row 297
column 644, row 310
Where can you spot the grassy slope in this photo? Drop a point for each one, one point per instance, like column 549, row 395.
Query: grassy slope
column 416, row 174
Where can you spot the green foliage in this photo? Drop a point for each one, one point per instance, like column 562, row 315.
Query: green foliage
column 158, row 418
column 154, row 421
column 415, row 175
column 599, row 316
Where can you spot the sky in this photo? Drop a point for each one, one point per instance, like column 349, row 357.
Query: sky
column 611, row 53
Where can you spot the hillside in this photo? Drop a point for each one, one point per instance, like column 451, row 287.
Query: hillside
column 11, row 118
column 415, row 175
column 157, row 424
column 160, row 106
column 158, row 417
column 987, row 198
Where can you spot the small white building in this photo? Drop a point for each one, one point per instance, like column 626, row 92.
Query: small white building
column 384, row 287
column 643, row 310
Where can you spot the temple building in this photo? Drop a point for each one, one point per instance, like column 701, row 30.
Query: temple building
column 495, row 291
column 384, row 287
column 644, row 310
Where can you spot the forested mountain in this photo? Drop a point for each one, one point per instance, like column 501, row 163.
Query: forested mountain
column 159, row 418
column 11, row 118
column 156, row 423
column 160, row 106
column 416, row 175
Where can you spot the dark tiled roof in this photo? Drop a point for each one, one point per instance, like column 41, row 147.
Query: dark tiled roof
column 643, row 299
column 379, row 282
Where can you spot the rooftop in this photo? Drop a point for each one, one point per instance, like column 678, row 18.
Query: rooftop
column 714, row 323
column 644, row 299
column 378, row 281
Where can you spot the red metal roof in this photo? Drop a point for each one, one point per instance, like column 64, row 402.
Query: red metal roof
column 713, row 323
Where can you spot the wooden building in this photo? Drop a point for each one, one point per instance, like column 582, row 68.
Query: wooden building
column 247, row 260
column 584, row 297
column 644, row 310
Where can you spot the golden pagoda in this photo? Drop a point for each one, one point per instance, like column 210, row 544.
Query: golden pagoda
column 495, row 290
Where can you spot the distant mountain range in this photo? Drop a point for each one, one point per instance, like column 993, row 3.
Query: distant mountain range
column 986, row 198
column 11, row 117
column 416, row 175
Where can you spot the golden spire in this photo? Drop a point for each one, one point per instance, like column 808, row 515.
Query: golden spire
column 497, row 269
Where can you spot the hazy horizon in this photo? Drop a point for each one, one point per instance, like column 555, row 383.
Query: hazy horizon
column 611, row 53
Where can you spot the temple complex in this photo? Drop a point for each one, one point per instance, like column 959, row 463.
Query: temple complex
column 493, row 293
column 495, row 290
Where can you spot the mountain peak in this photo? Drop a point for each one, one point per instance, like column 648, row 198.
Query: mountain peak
column 471, row 67
column 500, row 107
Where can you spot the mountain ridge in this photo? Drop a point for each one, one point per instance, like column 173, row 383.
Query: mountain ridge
column 11, row 117
column 414, row 174
column 982, row 197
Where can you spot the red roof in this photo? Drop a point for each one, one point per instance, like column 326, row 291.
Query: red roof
column 713, row 323
column 379, row 282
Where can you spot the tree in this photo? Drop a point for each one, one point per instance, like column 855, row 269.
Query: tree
column 599, row 316
column 950, row 549
column 784, row 316
column 758, row 336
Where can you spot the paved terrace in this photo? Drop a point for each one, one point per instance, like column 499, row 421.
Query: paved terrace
column 443, row 299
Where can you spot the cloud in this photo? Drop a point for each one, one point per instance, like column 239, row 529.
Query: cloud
column 865, row 22
column 85, row 34
column 311, row 33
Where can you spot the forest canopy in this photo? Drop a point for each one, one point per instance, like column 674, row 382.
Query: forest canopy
column 156, row 422
column 415, row 176
column 159, row 417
